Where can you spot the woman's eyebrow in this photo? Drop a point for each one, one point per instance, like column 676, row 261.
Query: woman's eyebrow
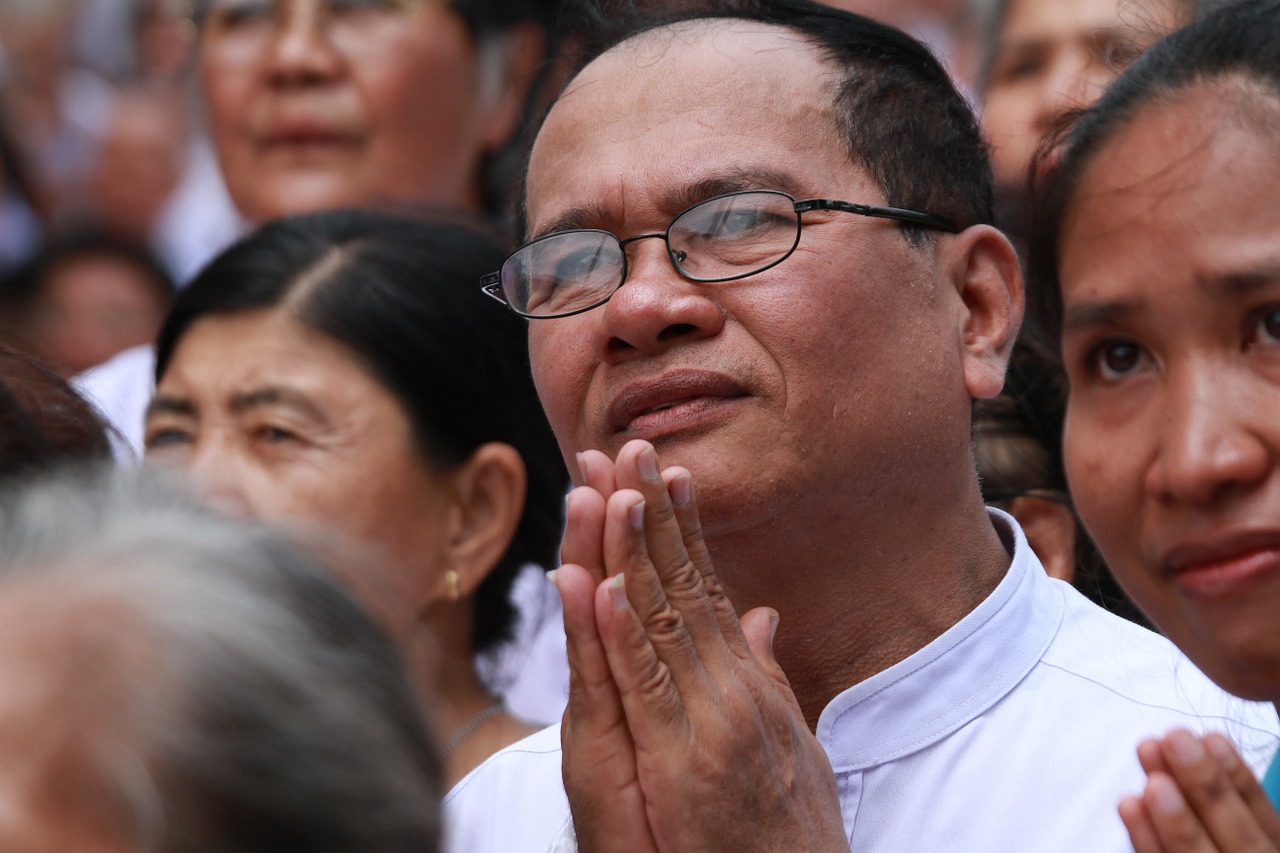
column 1080, row 316
column 169, row 404
column 272, row 395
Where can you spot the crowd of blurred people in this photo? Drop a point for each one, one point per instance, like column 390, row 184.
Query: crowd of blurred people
column 241, row 246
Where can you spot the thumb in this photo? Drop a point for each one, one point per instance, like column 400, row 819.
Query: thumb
column 759, row 625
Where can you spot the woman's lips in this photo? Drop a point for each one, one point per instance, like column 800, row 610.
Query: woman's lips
column 1224, row 565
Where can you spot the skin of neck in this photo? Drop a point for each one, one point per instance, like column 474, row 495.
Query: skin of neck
column 859, row 588
column 440, row 662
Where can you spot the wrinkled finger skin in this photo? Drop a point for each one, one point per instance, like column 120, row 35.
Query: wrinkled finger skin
column 1200, row 797
column 598, row 754
column 724, row 758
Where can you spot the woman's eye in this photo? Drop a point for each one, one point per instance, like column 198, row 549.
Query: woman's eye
column 275, row 435
column 233, row 13
column 166, row 437
column 1117, row 359
column 1264, row 328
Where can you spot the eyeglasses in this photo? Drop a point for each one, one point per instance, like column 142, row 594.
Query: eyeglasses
column 724, row 238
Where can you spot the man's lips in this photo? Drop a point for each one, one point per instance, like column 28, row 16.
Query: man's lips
column 671, row 397
column 1222, row 563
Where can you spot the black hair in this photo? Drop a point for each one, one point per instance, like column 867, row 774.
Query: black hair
column 897, row 109
column 44, row 424
column 1231, row 40
column 402, row 295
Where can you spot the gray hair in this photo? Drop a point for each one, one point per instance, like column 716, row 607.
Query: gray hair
column 240, row 700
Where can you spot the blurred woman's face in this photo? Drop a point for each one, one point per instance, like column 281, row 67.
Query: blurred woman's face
column 278, row 422
column 317, row 104
column 1170, row 272
column 1052, row 56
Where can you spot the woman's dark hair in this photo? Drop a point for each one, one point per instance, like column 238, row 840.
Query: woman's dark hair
column 44, row 424
column 1236, row 40
column 403, row 296
column 896, row 108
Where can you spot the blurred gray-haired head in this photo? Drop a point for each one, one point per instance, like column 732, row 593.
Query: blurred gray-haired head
column 190, row 683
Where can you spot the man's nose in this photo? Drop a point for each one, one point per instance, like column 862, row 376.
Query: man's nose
column 656, row 307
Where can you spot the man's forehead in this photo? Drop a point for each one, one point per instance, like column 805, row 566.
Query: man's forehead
column 726, row 90
column 699, row 45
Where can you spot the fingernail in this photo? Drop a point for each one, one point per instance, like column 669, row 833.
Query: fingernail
column 636, row 515
column 618, row 592
column 1184, row 747
column 1222, row 751
column 773, row 627
column 582, row 469
column 647, row 462
column 682, row 490
column 551, row 575
column 1165, row 795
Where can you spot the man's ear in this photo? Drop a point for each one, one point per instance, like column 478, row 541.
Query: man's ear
column 509, row 62
column 489, row 493
column 984, row 266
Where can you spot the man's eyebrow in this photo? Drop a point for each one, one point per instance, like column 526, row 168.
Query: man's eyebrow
column 1089, row 315
column 732, row 181
column 276, row 396
column 574, row 218
column 167, row 404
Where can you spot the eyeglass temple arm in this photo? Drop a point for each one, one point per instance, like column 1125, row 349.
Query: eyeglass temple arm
column 878, row 211
column 491, row 284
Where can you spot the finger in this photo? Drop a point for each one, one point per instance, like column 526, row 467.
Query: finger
column 654, row 711
column 1243, row 780
column 583, row 542
column 594, row 705
column 679, row 483
column 1212, row 796
column 1177, row 826
column 759, row 627
column 596, row 471
column 1142, row 832
column 626, row 552
column 681, row 582
column 598, row 755
column 1151, row 757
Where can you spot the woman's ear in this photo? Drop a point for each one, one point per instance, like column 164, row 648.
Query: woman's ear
column 489, row 494
column 985, row 269
column 509, row 63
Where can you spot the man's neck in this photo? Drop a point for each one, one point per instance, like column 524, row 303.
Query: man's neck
column 857, row 599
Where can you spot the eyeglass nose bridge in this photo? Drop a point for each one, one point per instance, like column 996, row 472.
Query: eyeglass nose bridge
column 675, row 256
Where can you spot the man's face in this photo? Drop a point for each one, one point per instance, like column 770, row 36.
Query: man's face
column 826, row 372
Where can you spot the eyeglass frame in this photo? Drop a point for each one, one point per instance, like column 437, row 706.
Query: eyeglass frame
column 491, row 283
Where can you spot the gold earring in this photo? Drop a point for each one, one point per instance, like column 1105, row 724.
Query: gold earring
column 451, row 585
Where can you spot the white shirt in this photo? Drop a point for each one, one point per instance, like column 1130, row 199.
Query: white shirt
column 1014, row 730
